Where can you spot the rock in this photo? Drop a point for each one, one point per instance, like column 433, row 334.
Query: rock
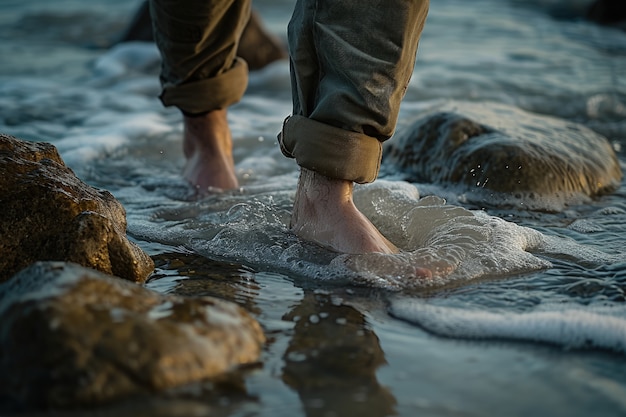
column 48, row 214
column 257, row 46
column 500, row 148
column 72, row 337
column 602, row 12
column 608, row 12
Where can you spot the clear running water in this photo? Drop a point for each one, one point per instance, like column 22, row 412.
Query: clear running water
column 527, row 315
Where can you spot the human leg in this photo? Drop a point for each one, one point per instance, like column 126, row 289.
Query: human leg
column 324, row 213
column 202, row 76
column 208, row 148
column 351, row 62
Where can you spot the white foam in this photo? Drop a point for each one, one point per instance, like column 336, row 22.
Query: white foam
column 565, row 247
column 85, row 122
column 127, row 57
column 568, row 325
column 455, row 244
column 105, row 132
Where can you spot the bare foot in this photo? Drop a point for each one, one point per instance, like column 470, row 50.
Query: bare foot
column 208, row 147
column 324, row 213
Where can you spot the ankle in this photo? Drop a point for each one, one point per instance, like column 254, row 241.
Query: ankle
column 320, row 190
column 320, row 202
column 209, row 131
column 208, row 149
column 324, row 213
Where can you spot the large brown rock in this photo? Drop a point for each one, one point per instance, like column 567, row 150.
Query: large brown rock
column 48, row 214
column 72, row 336
column 503, row 149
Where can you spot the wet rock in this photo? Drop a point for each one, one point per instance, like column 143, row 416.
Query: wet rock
column 602, row 12
column 257, row 46
column 72, row 336
column 499, row 148
column 49, row 214
column 608, row 12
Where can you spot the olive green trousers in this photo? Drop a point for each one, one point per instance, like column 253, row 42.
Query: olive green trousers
column 351, row 62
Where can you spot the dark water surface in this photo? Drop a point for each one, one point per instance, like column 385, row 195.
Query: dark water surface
column 531, row 322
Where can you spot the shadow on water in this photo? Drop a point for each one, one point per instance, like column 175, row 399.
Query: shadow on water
column 332, row 360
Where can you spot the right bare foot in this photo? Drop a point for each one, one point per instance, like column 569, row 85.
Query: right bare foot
column 207, row 144
column 324, row 213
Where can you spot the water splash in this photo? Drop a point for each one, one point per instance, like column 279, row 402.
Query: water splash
column 456, row 244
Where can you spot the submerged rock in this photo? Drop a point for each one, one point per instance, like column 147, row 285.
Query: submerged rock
column 72, row 336
column 500, row 148
column 48, row 214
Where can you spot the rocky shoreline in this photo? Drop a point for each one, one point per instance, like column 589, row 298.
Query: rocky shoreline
column 74, row 330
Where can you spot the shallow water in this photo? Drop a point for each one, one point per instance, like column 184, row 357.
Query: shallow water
column 526, row 315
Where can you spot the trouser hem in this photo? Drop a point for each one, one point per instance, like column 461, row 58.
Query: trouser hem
column 331, row 151
column 214, row 93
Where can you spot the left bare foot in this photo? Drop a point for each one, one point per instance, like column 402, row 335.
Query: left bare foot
column 207, row 144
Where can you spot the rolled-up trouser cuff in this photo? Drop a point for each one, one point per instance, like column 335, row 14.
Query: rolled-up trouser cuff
column 331, row 151
column 209, row 94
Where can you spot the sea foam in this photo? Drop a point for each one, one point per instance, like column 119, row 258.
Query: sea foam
column 570, row 325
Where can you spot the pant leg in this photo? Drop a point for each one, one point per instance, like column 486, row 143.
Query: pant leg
column 198, row 42
column 351, row 62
